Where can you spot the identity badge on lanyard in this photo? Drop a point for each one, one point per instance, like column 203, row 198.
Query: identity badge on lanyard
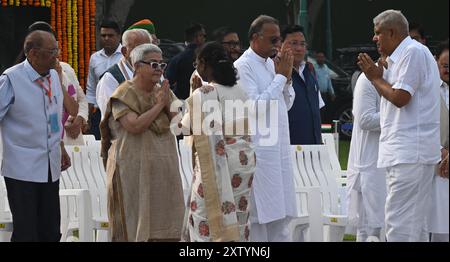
column 48, row 90
column 54, row 122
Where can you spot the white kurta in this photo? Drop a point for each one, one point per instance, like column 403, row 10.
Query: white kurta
column 273, row 184
column 410, row 140
column 365, row 180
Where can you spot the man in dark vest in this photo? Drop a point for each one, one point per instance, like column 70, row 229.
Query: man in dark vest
column 304, row 116
column 122, row 71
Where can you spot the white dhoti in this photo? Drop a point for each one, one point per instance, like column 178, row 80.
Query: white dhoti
column 370, row 195
column 408, row 202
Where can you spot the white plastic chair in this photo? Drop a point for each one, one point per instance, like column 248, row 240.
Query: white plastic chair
column 97, row 170
column 85, row 174
column 76, row 215
column 88, row 139
column 5, row 215
column 308, row 226
column 315, row 171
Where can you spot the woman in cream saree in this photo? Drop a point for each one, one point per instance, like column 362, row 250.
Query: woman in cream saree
column 218, row 206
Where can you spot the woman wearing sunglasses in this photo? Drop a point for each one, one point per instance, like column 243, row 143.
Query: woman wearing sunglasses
column 145, row 196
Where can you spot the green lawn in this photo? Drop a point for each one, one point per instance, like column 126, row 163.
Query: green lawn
column 344, row 147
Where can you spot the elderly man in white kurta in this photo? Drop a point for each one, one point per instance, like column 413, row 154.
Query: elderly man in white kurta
column 409, row 120
column 273, row 195
column 366, row 183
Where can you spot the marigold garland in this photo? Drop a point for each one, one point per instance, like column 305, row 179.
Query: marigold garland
column 74, row 25
column 87, row 33
column 69, row 32
column 53, row 14
column 64, row 30
column 75, row 35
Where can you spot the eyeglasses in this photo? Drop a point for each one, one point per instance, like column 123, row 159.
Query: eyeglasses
column 232, row 43
column 155, row 65
column 296, row 43
column 273, row 40
column 52, row 52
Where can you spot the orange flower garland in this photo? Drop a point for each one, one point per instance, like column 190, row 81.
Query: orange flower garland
column 64, row 29
column 92, row 20
column 35, row 3
column 81, row 61
column 53, row 14
column 75, row 29
column 69, row 32
column 75, row 35
column 87, row 33
column 59, row 27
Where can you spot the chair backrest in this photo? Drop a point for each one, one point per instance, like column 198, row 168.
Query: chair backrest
column 72, row 178
column 329, row 140
column 88, row 139
column 313, row 163
column 4, row 207
column 302, row 199
column 80, row 176
column 98, row 172
column 333, row 149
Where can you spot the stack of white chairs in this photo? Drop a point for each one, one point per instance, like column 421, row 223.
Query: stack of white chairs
column 74, row 203
column 312, row 169
column 332, row 143
column 87, row 173
column 307, row 226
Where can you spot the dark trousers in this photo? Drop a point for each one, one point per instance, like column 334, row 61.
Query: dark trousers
column 35, row 210
column 95, row 124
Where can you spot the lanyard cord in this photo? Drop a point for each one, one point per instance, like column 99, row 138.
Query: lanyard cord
column 48, row 90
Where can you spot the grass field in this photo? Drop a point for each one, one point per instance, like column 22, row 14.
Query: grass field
column 344, row 147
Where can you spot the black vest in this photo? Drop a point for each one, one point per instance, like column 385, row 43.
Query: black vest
column 116, row 73
column 304, row 116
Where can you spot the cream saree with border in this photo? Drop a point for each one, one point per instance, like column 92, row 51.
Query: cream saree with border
column 218, row 206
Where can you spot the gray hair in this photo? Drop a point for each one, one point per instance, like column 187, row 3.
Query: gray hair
column 129, row 35
column 142, row 50
column 258, row 23
column 392, row 19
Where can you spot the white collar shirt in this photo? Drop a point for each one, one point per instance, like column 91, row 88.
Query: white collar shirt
column 98, row 64
column 410, row 135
